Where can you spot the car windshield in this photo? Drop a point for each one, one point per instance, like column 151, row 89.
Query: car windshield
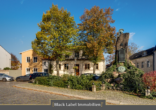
column 27, row 75
column 7, row 76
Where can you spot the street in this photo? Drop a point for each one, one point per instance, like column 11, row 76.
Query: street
column 11, row 95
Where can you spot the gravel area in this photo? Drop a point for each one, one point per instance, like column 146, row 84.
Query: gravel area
column 116, row 97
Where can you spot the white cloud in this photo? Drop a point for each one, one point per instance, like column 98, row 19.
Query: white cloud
column 22, row 1
column 131, row 35
column 117, row 9
column 140, row 48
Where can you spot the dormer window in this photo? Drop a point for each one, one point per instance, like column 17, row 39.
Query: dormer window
column 144, row 53
column 77, row 54
column 67, row 56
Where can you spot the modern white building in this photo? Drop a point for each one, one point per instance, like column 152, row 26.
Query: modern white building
column 5, row 58
column 83, row 64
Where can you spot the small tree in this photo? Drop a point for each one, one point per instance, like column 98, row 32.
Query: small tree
column 15, row 63
column 58, row 29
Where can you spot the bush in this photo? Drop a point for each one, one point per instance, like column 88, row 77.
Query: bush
column 42, row 80
column 7, row 68
column 149, row 79
column 132, row 81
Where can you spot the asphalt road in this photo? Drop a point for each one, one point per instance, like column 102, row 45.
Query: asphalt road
column 11, row 95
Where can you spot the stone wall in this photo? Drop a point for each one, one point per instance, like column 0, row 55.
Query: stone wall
column 13, row 73
column 144, row 59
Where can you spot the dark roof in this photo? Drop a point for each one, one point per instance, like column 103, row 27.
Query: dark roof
column 141, row 53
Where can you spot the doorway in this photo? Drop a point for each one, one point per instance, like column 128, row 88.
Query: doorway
column 77, row 69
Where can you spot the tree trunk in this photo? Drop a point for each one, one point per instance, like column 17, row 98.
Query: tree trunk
column 57, row 67
column 94, row 68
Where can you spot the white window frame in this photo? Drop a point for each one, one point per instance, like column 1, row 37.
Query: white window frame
column 27, row 72
column 44, row 63
column 147, row 64
column 34, row 60
column 27, row 59
column 34, row 70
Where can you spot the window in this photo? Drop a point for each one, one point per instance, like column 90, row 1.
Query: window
column 27, row 70
column 44, row 63
column 87, row 66
column 77, row 54
column 148, row 63
column 142, row 65
column 35, row 59
column 59, row 66
column 96, row 66
column 137, row 65
column 35, row 70
column 28, row 59
column 46, row 70
column 67, row 56
column 66, row 66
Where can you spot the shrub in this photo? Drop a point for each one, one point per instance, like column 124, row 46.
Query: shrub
column 7, row 68
column 97, row 83
column 42, row 80
column 149, row 79
column 132, row 81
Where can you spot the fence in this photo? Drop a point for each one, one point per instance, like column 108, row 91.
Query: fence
column 13, row 73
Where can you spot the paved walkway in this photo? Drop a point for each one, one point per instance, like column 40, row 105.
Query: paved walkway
column 10, row 95
column 114, row 97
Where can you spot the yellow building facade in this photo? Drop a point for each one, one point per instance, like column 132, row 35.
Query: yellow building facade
column 31, row 62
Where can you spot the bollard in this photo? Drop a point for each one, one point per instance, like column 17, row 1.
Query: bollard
column 103, row 87
column 147, row 91
column 68, row 86
column 93, row 88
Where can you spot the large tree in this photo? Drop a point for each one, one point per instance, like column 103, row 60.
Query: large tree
column 58, row 29
column 132, row 49
column 15, row 63
column 96, row 33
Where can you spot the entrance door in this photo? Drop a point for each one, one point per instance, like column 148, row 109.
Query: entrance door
column 77, row 70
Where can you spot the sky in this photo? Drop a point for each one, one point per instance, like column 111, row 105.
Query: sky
column 19, row 18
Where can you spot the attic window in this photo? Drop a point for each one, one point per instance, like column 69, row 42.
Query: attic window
column 144, row 53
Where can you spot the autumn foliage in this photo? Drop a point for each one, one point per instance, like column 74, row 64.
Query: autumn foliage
column 15, row 63
column 96, row 33
column 149, row 79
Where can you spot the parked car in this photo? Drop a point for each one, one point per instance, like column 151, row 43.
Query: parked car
column 5, row 77
column 95, row 76
column 23, row 78
column 39, row 74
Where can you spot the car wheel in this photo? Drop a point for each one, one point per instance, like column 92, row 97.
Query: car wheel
column 4, row 80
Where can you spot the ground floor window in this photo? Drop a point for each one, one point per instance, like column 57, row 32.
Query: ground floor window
column 27, row 70
column 59, row 66
column 137, row 65
column 148, row 63
column 97, row 66
column 66, row 66
column 87, row 66
column 142, row 65
column 35, row 70
column 46, row 70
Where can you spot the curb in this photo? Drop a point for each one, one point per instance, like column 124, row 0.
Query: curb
column 72, row 96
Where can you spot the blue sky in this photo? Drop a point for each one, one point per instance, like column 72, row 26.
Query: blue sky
column 19, row 18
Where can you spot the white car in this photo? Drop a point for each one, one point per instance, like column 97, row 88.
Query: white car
column 5, row 77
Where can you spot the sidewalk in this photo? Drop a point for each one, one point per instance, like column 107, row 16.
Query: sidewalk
column 113, row 97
